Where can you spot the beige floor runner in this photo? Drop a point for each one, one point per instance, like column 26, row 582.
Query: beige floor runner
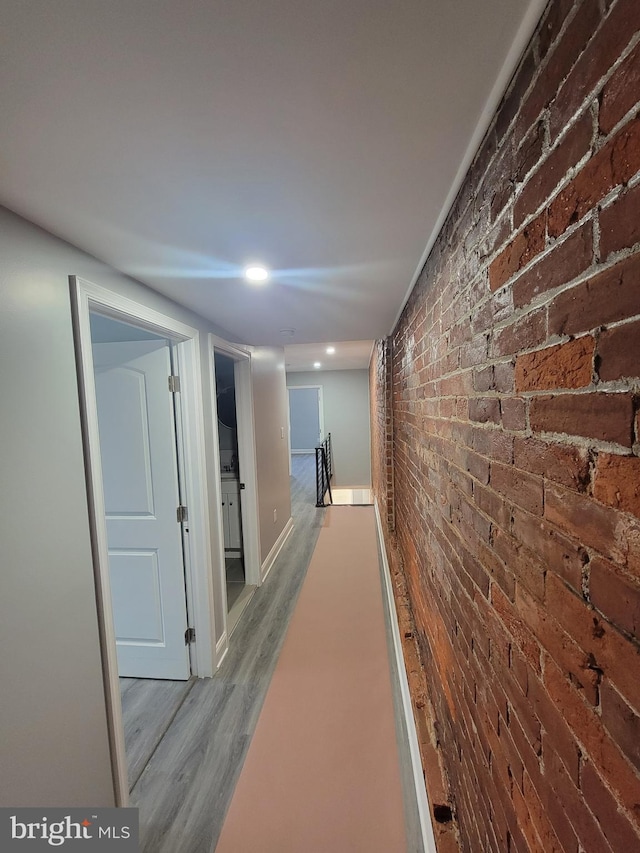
column 322, row 772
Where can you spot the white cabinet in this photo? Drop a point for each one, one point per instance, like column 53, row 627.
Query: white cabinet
column 231, row 515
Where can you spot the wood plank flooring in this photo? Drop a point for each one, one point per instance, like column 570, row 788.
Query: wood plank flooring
column 185, row 789
column 148, row 708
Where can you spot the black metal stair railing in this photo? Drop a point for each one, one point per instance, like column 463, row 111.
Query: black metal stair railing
column 324, row 470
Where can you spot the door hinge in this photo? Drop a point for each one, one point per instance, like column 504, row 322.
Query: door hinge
column 174, row 384
column 189, row 636
column 182, row 514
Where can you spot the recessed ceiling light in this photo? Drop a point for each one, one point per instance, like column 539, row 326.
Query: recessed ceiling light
column 317, row 364
column 256, row 274
column 331, row 350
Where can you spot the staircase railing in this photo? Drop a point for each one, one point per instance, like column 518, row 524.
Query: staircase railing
column 324, row 470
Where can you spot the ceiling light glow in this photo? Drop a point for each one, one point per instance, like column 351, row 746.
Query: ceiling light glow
column 317, row 364
column 331, row 350
column 256, row 274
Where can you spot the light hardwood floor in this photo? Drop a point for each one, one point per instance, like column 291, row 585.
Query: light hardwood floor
column 184, row 790
column 148, row 709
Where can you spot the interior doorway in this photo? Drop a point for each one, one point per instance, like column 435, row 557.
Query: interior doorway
column 141, row 484
column 144, row 371
column 306, row 418
column 239, row 587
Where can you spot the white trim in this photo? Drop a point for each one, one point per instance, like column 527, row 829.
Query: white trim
column 424, row 809
column 522, row 38
column 248, row 470
column 222, row 647
column 273, row 553
column 215, row 510
column 85, row 297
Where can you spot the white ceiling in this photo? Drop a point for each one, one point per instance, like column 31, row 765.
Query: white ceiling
column 179, row 140
column 348, row 355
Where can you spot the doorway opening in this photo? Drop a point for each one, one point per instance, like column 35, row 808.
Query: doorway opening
column 141, row 432
column 306, row 418
column 239, row 588
column 142, row 414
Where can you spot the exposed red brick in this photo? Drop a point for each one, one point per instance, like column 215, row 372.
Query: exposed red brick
column 622, row 722
column 525, row 622
column 558, row 553
column 483, row 379
column 612, row 295
column 617, row 482
column 587, row 522
column 553, row 169
column 513, row 623
column 616, row 828
column 556, row 14
column 607, row 417
column 611, row 652
column 619, row 352
column 559, row 63
column 531, row 149
column 615, row 594
column 620, row 93
column 483, row 409
column 567, row 365
column 590, row 732
column 510, row 106
column 528, row 331
column 562, row 648
column 523, row 489
column 558, row 462
column 620, row 223
column 603, row 50
column 561, row 265
column 493, row 444
column 539, row 818
column 503, row 377
column 557, row 734
column 614, row 164
column 514, row 413
column 582, row 822
column 522, row 249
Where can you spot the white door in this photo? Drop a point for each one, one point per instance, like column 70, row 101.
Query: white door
column 139, row 471
column 304, row 419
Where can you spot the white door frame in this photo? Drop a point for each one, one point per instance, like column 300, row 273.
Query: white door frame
column 86, row 297
column 320, row 412
column 247, row 464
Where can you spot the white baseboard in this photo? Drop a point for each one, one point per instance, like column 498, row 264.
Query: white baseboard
column 273, row 553
column 222, row 647
column 424, row 809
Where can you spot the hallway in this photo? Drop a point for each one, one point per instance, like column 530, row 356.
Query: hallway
column 185, row 790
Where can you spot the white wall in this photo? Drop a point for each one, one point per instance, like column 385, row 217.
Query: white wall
column 272, row 443
column 345, row 396
column 53, row 729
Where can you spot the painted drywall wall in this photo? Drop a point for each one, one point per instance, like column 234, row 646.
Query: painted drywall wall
column 52, row 716
column 345, row 395
column 272, row 444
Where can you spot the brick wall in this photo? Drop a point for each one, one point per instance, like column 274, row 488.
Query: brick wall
column 516, row 452
column 382, row 429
